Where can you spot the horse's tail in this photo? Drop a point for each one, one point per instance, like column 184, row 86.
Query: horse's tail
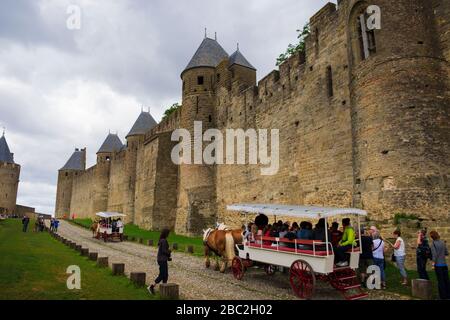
column 229, row 246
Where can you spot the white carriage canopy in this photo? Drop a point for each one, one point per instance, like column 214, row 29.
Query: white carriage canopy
column 110, row 214
column 310, row 212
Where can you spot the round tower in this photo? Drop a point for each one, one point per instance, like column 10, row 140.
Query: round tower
column 196, row 207
column 135, row 140
column 74, row 166
column 9, row 178
column 400, row 103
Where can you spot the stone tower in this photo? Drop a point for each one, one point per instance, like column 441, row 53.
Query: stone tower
column 74, row 166
column 111, row 144
column 9, row 178
column 135, row 140
column 399, row 109
column 196, row 199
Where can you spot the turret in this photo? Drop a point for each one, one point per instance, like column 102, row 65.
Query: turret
column 196, row 201
column 73, row 167
column 9, row 177
column 111, row 145
column 399, row 108
column 242, row 70
column 135, row 139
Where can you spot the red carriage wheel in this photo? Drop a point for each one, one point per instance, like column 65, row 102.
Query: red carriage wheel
column 303, row 279
column 270, row 269
column 238, row 268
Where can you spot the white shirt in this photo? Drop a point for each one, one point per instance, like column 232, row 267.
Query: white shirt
column 378, row 246
column 400, row 252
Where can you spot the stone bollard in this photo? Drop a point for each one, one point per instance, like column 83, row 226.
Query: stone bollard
column 73, row 245
column 150, row 243
column 175, row 246
column 190, row 249
column 125, row 237
column 118, row 269
column 102, row 262
column 64, row 240
column 93, row 256
column 138, row 278
column 84, row 252
column 169, row 291
column 421, row 288
column 78, row 248
column 133, row 239
column 141, row 241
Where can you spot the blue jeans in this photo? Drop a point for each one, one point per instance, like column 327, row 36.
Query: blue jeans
column 380, row 263
column 400, row 261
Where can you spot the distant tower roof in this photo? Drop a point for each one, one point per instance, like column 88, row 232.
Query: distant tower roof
column 239, row 59
column 209, row 54
column 144, row 123
column 112, row 143
column 76, row 161
column 5, row 154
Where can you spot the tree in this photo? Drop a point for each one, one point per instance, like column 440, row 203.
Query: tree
column 299, row 47
column 171, row 110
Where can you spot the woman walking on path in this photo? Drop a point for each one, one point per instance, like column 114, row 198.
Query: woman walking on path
column 164, row 255
column 439, row 252
column 400, row 256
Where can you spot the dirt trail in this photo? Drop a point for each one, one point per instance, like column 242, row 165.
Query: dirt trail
column 197, row 282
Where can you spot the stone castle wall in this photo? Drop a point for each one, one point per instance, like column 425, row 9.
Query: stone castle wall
column 371, row 133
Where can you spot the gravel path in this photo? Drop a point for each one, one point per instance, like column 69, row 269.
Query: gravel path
column 197, row 282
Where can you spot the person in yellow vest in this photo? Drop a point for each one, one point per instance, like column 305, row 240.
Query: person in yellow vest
column 346, row 243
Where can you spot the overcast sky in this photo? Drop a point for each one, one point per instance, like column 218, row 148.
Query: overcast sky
column 62, row 89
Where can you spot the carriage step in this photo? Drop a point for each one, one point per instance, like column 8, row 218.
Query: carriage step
column 355, row 286
column 346, row 278
column 361, row 295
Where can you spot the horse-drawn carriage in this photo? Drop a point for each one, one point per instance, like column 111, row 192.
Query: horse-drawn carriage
column 307, row 260
column 109, row 227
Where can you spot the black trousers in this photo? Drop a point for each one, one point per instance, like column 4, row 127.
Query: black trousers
column 340, row 253
column 25, row 227
column 163, row 272
column 443, row 282
column 422, row 267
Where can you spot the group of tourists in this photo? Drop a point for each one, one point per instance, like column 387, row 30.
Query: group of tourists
column 373, row 247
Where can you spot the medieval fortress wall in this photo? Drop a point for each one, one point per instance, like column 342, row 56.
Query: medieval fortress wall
column 370, row 132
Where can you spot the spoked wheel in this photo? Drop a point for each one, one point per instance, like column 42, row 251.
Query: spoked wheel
column 303, row 279
column 270, row 269
column 238, row 268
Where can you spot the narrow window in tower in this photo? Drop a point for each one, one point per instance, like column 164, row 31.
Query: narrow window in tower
column 200, row 80
column 366, row 38
column 316, row 33
column 196, row 104
column 67, row 174
column 330, row 81
column 218, row 77
column 6, row 196
column 108, row 158
column 209, row 118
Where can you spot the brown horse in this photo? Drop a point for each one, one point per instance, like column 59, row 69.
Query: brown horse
column 93, row 228
column 222, row 243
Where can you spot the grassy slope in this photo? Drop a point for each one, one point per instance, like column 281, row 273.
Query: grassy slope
column 134, row 231
column 33, row 266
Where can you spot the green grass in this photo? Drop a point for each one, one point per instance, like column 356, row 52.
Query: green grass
column 393, row 280
column 134, row 231
column 33, row 267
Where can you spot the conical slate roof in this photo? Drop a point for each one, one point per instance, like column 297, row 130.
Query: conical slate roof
column 239, row 59
column 209, row 54
column 75, row 162
column 144, row 123
column 112, row 143
column 5, row 154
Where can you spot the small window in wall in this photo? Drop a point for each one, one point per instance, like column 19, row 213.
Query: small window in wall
column 66, row 174
column 218, row 77
column 330, row 81
column 200, row 80
column 209, row 118
column 6, row 196
column 196, row 104
column 108, row 158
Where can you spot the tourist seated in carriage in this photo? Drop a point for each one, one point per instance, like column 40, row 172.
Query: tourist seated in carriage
column 347, row 243
column 336, row 234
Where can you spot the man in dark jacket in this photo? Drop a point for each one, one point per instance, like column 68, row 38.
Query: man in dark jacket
column 25, row 222
column 164, row 255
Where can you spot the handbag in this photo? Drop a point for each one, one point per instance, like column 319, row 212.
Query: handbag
column 393, row 258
